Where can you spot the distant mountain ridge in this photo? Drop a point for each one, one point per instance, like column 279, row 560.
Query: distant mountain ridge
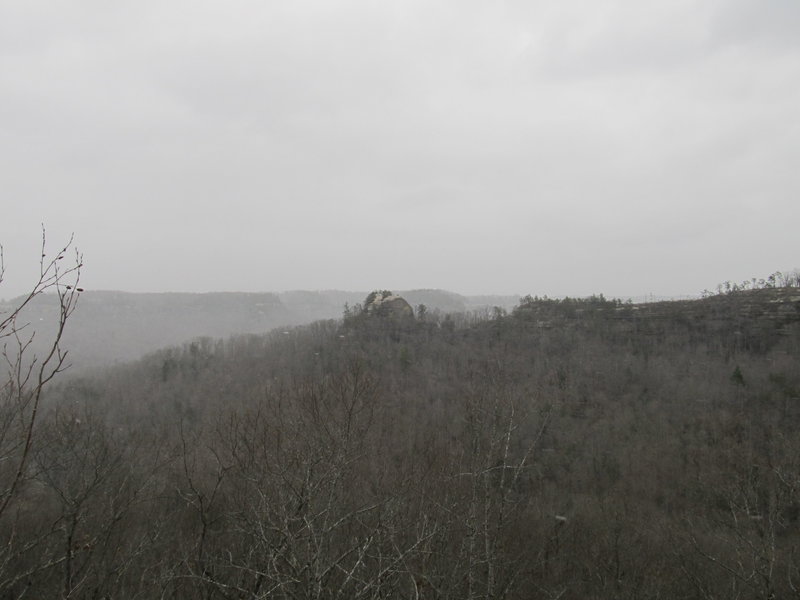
column 111, row 326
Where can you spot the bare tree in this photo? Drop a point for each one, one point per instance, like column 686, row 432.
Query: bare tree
column 27, row 373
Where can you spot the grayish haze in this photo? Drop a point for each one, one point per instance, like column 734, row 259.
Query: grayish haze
column 571, row 147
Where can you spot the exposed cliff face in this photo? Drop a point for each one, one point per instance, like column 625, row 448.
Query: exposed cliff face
column 387, row 304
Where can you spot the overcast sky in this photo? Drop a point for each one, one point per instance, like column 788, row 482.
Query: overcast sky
column 560, row 148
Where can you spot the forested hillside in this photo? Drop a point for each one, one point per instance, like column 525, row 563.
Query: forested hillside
column 567, row 449
column 113, row 327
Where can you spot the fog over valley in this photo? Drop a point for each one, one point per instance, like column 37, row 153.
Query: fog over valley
column 113, row 327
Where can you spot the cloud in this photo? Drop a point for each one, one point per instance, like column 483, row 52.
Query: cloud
column 476, row 134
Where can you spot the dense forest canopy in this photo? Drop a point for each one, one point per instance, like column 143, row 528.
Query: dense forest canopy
column 570, row 448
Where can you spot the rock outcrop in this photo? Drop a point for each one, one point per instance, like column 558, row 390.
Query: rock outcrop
column 386, row 304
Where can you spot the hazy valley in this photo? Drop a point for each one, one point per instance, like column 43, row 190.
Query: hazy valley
column 112, row 327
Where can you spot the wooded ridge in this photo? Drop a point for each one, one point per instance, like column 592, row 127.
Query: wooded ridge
column 569, row 448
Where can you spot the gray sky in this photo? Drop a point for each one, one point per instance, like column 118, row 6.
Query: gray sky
column 570, row 147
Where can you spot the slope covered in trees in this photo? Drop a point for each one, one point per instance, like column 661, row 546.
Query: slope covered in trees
column 570, row 449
